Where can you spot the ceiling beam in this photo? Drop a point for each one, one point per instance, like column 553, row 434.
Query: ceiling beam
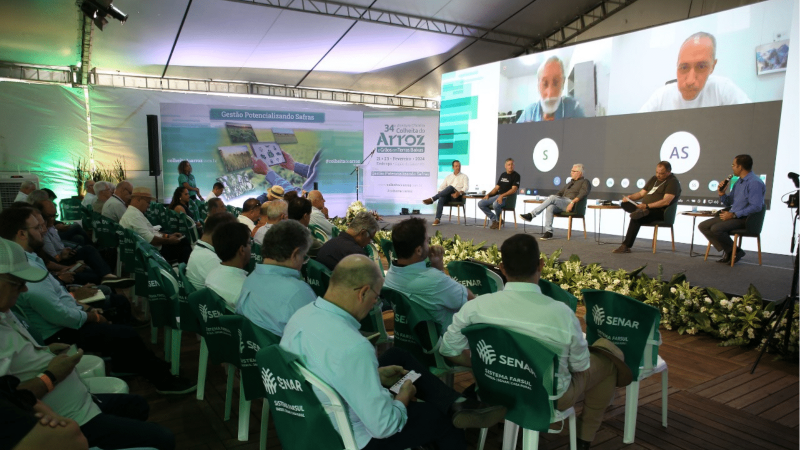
column 384, row 17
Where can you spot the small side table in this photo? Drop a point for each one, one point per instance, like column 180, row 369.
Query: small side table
column 598, row 218
column 525, row 210
column 477, row 198
column 694, row 215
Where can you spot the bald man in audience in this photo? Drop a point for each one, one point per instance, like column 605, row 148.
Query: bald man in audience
column 319, row 213
column 271, row 213
column 348, row 364
column 116, row 206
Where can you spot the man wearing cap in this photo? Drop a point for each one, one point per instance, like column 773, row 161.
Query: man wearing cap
column 116, row 206
column 594, row 372
column 115, row 420
column 172, row 246
column 274, row 193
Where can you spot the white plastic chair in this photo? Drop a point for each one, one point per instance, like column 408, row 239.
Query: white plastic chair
column 497, row 280
column 91, row 366
column 105, row 385
column 632, row 390
column 336, row 407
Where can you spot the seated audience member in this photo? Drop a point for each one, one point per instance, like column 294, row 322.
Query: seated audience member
column 325, row 335
column 232, row 244
column 250, row 212
column 274, row 193
column 180, row 203
column 57, row 317
column 428, row 287
column 359, row 234
column 204, row 257
column 104, row 191
column 39, row 195
column 90, row 196
column 300, row 210
column 275, row 289
column 25, row 190
column 272, row 212
column 117, row 205
column 661, row 191
column 564, row 200
column 48, row 373
column 68, row 255
column 522, row 307
column 291, row 195
column 172, row 246
column 216, row 191
column 215, row 205
column 319, row 213
column 68, row 232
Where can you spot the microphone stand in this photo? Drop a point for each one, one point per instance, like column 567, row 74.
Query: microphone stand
column 358, row 168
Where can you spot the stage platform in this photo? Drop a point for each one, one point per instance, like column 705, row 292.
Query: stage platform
column 773, row 278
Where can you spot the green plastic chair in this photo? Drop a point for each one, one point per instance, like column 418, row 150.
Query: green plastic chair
column 291, row 388
column 86, row 218
column 669, row 221
column 752, row 228
column 633, row 327
column 70, row 209
column 555, row 292
column 335, row 232
column 578, row 212
column 163, row 298
column 458, row 205
column 388, row 250
column 373, row 324
column 251, row 339
column 474, row 276
column 188, row 320
column 417, row 332
column 215, row 342
column 317, row 276
column 511, row 205
column 531, row 399
column 202, row 211
column 318, row 233
column 374, row 255
column 255, row 257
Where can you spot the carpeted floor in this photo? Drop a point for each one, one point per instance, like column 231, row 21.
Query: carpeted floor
column 773, row 278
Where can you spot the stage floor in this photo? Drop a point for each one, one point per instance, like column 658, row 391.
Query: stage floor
column 773, row 278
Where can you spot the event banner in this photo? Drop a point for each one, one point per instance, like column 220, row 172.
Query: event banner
column 401, row 168
column 248, row 150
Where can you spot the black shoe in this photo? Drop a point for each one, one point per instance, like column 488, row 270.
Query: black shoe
column 119, row 283
column 175, row 385
column 639, row 213
column 622, row 249
column 527, row 216
column 475, row 414
column 739, row 255
column 547, row 235
column 583, row 445
column 726, row 258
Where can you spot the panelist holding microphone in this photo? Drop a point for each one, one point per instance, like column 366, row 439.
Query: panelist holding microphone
column 746, row 197
column 661, row 191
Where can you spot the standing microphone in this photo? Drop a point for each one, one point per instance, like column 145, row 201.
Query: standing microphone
column 724, row 183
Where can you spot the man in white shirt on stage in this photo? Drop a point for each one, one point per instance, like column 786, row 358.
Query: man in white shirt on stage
column 452, row 189
column 695, row 86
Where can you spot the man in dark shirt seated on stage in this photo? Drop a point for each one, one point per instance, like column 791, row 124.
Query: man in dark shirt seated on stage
column 494, row 201
column 358, row 235
column 746, row 197
column 564, row 200
column 661, row 191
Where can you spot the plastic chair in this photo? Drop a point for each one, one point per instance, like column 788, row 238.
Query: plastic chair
column 633, row 327
column 555, row 292
column 318, row 233
column 374, row 255
column 669, row 221
column 474, row 276
column 373, row 324
column 388, row 250
column 291, row 387
column 317, row 276
column 164, row 309
column 90, row 366
column 752, row 228
column 578, row 212
column 531, row 406
column 255, row 257
column 511, row 205
column 335, row 231
column 105, row 385
column 70, row 209
column 86, row 218
column 458, row 205
column 417, row 332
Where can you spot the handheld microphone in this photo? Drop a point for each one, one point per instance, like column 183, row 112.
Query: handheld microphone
column 724, row 183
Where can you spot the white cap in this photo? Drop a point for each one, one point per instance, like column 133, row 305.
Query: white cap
column 13, row 261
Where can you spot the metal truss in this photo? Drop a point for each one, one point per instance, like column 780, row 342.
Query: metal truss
column 579, row 25
column 37, row 74
column 366, row 14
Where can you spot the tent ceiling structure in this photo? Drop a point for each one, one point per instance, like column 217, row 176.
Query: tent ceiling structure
column 350, row 46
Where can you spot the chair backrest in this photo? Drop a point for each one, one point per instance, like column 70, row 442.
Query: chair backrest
column 86, row 218
column 251, row 339
column 628, row 323
column 208, row 307
column 373, row 323
column 754, row 223
column 202, row 211
column 555, row 292
column 669, row 214
column 374, row 255
column 318, row 233
column 107, row 232
column 162, row 294
column 302, row 421
column 185, row 289
column 516, row 371
column 70, row 209
column 388, row 250
column 474, row 276
column 511, row 202
column 255, row 257
column 127, row 249
column 335, row 231
column 317, row 276
column 415, row 330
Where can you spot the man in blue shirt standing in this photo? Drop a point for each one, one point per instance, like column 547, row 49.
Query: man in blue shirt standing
column 746, row 197
column 325, row 335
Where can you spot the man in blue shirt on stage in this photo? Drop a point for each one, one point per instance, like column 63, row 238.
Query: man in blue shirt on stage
column 325, row 335
column 746, row 197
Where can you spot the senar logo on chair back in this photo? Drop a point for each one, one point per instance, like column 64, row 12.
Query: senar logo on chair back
column 485, row 352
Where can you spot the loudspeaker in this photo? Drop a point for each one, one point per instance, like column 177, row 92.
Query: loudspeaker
column 316, row 186
column 153, row 145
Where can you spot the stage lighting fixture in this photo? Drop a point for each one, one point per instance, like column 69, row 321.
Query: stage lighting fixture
column 97, row 10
